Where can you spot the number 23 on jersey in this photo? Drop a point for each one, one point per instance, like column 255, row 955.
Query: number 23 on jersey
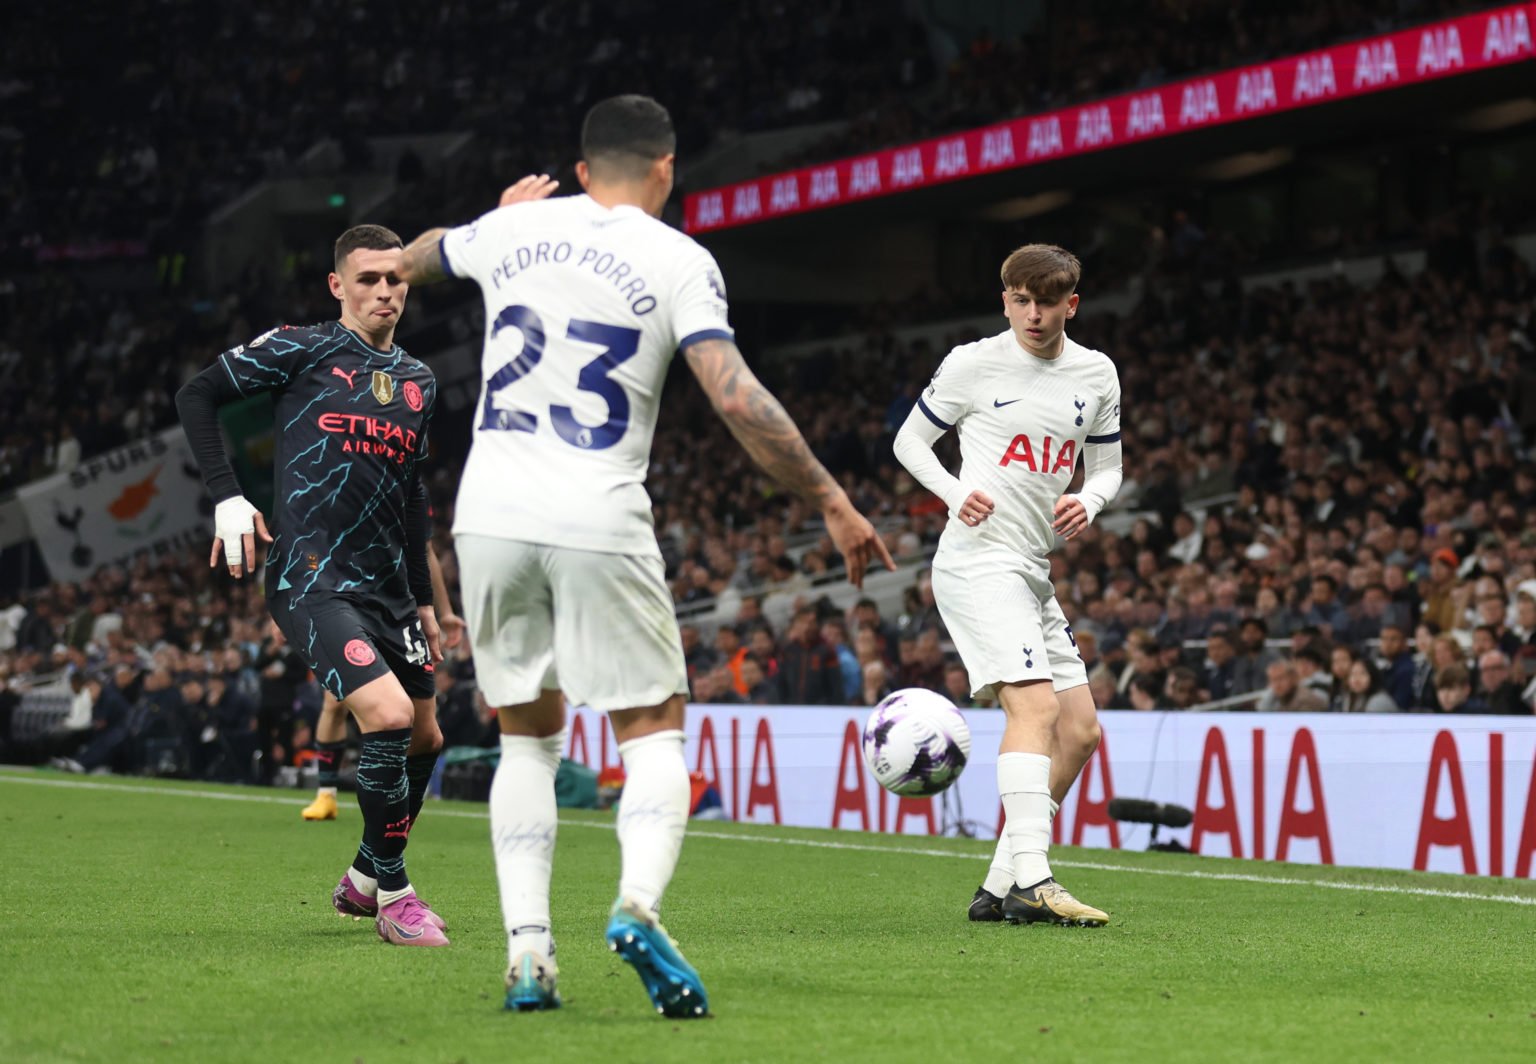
column 618, row 346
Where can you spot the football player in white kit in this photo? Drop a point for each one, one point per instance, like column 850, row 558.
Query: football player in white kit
column 586, row 300
column 1028, row 403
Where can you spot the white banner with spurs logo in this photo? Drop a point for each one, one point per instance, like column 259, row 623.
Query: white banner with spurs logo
column 145, row 498
column 1414, row 791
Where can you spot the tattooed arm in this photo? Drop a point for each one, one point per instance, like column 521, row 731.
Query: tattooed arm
column 763, row 428
column 424, row 262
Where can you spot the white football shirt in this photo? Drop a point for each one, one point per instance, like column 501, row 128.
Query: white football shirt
column 584, row 308
column 1022, row 422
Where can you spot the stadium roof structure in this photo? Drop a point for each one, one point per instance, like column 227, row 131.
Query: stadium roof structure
column 1392, row 80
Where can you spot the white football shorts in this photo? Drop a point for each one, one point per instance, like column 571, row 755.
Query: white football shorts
column 598, row 626
column 1003, row 616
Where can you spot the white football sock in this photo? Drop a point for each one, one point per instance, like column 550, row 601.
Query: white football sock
column 523, row 823
column 1000, row 874
column 364, row 884
column 389, row 897
column 323, row 791
column 653, row 814
column 1024, row 782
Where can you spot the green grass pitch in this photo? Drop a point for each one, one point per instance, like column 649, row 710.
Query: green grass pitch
column 149, row 921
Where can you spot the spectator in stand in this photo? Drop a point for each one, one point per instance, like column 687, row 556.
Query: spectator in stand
column 110, row 714
column 1453, row 692
column 1143, row 692
column 1525, row 614
column 234, row 716
column 834, row 632
column 1250, row 668
column 761, row 689
column 1496, row 688
column 1363, row 692
column 866, row 614
column 1424, row 639
column 876, row 683
column 1398, row 667
column 1340, row 662
column 1439, row 602
column 1370, row 613
column 731, row 654
column 1088, row 649
column 1286, row 694
column 1101, row 681
column 925, row 612
column 957, row 686
column 697, row 655
column 809, row 673
column 1311, row 664
column 1220, row 671
column 1322, row 609
column 1492, row 608
column 762, row 647
column 1182, row 689
column 1143, row 660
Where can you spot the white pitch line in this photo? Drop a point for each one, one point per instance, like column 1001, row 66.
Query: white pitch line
column 856, row 847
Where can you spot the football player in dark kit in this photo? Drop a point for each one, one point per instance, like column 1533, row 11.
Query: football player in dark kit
column 347, row 576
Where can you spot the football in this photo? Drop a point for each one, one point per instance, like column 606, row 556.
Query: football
column 916, row 742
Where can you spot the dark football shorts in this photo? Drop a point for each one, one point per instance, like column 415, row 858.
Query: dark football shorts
column 350, row 643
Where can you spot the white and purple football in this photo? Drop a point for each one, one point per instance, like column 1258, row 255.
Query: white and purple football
column 916, row 742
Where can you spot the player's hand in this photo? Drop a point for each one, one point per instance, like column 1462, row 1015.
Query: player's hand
column 976, row 508
column 855, row 538
column 532, row 187
column 1071, row 516
column 433, row 633
column 236, row 523
column 453, row 628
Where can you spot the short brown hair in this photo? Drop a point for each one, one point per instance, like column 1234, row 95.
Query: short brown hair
column 372, row 237
column 1452, row 676
column 1045, row 271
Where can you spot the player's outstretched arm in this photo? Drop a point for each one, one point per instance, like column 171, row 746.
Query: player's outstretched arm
column 772, row 440
column 421, row 262
column 236, row 523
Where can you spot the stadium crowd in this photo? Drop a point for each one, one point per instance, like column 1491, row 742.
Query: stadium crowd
column 1329, row 504
column 1330, row 495
column 247, row 91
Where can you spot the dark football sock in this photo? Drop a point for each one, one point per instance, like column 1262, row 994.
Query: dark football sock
column 383, row 795
column 418, row 774
column 328, row 761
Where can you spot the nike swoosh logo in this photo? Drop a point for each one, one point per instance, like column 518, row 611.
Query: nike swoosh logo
column 1010, row 402
column 403, row 933
column 1031, row 904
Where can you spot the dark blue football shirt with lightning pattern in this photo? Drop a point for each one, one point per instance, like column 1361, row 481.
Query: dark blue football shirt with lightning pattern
column 351, row 424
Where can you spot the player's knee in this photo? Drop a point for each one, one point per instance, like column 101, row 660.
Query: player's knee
column 392, row 717
column 1090, row 737
column 426, row 739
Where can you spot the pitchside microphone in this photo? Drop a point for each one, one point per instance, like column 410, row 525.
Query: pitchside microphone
column 1141, row 811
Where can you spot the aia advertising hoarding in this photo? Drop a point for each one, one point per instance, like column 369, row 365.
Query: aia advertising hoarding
column 1410, row 791
column 1482, row 41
